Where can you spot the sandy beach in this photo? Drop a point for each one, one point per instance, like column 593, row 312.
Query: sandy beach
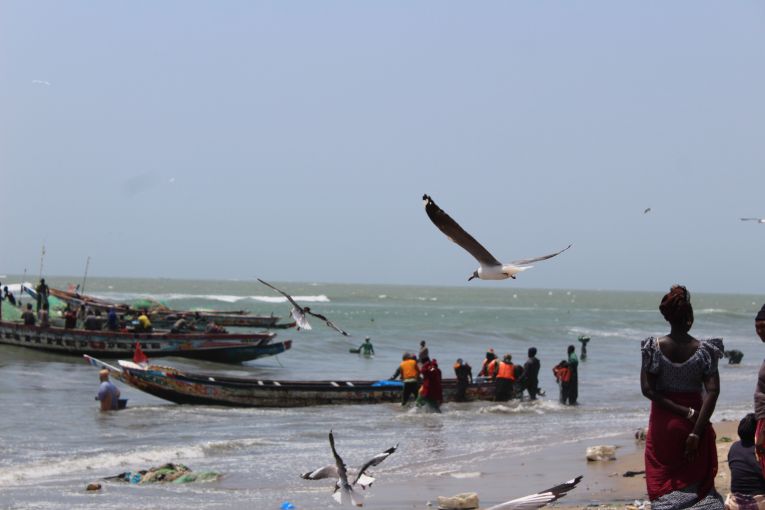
column 603, row 486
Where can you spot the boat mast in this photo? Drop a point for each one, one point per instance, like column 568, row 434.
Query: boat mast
column 85, row 276
column 42, row 257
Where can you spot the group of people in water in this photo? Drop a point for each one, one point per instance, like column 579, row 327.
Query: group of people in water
column 421, row 377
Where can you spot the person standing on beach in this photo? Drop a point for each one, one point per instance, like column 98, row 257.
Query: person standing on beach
column 679, row 376
column 108, row 393
column 530, row 377
column 410, row 375
column 759, row 394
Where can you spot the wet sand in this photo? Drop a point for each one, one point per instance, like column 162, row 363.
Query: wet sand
column 496, row 481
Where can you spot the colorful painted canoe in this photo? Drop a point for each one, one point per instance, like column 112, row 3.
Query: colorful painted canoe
column 222, row 347
column 184, row 387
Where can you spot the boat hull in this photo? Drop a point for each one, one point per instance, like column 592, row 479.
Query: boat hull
column 206, row 389
column 227, row 348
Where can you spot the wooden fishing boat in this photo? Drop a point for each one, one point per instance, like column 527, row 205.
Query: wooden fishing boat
column 222, row 347
column 184, row 387
column 163, row 317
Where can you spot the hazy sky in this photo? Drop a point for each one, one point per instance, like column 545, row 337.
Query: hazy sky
column 294, row 140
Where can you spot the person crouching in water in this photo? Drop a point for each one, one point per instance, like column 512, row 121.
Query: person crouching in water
column 108, row 393
column 431, row 393
column 504, row 374
column 410, row 375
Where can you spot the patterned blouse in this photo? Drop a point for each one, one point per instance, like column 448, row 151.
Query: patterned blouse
column 682, row 377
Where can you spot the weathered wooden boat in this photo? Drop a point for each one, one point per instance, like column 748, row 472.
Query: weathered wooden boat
column 184, row 387
column 163, row 317
column 222, row 347
column 201, row 319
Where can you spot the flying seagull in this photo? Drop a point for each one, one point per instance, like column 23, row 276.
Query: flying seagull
column 298, row 312
column 647, row 210
column 758, row 220
column 343, row 488
column 491, row 268
column 539, row 499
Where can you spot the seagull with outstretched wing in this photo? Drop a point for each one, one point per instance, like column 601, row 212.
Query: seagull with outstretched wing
column 539, row 499
column 491, row 268
column 299, row 312
column 758, row 220
column 343, row 490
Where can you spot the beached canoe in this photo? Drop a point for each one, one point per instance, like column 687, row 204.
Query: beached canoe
column 222, row 347
column 184, row 387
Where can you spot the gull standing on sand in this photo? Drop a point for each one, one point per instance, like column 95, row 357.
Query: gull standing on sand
column 298, row 312
column 758, row 220
column 491, row 268
column 344, row 489
column 539, row 499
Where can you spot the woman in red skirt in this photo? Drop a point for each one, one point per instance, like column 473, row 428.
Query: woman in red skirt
column 679, row 375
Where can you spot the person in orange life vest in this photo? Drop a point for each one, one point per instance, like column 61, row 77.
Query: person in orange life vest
column 562, row 377
column 410, row 375
column 490, row 356
column 504, row 376
column 431, row 393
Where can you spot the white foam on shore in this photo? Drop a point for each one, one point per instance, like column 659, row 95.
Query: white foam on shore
column 135, row 459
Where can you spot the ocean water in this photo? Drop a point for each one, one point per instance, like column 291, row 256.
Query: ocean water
column 54, row 441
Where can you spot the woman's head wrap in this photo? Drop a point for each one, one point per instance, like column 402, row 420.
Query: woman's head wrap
column 676, row 306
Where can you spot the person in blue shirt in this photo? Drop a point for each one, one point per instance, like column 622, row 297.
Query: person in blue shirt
column 108, row 393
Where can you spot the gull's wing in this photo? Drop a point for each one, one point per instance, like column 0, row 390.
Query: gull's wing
column 761, row 220
column 289, row 298
column 453, row 231
column 329, row 322
column 539, row 499
column 329, row 471
column 342, row 472
column 523, row 262
column 377, row 459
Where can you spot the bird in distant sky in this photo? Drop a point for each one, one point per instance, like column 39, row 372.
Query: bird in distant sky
column 41, row 82
column 298, row 312
column 647, row 210
column 758, row 220
column 343, row 488
column 491, row 268
column 539, row 499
